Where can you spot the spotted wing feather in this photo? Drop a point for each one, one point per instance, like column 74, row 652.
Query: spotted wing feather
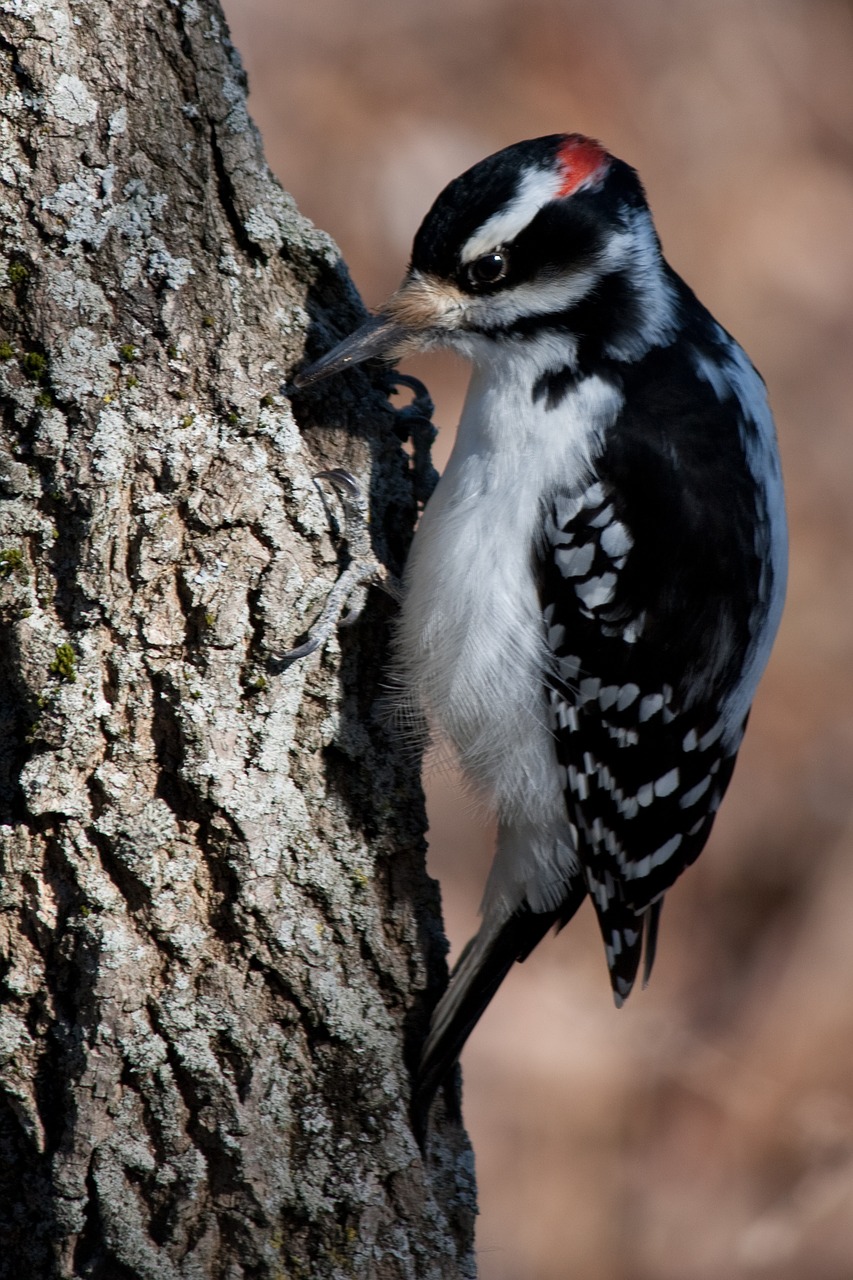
column 647, row 759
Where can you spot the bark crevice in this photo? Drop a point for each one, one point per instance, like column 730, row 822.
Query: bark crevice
column 218, row 941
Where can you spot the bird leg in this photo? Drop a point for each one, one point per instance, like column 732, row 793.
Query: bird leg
column 363, row 570
column 414, row 422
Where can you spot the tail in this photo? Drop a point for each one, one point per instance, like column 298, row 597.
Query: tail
column 479, row 972
column 627, row 935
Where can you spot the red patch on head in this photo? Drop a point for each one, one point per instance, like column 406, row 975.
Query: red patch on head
column 582, row 160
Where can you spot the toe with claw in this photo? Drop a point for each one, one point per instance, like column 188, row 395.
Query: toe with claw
column 364, row 570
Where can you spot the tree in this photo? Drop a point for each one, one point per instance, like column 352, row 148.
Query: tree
column 219, row 944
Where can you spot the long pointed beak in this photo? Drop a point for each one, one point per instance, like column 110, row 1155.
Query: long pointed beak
column 381, row 335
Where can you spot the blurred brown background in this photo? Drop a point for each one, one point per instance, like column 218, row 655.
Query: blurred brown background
column 706, row 1130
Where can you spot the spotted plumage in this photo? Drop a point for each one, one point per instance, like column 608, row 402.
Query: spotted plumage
column 596, row 582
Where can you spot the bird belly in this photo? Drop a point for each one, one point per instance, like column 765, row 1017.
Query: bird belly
column 471, row 652
column 470, row 646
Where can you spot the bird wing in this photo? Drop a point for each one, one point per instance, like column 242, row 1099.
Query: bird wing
column 646, row 759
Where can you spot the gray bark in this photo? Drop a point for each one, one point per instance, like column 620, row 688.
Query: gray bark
column 218, row 942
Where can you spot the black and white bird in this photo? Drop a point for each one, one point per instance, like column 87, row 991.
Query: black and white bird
column 596, row 583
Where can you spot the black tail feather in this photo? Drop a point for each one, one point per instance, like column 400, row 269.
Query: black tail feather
column 629, row 936
column 652, row 920
column 479, row 972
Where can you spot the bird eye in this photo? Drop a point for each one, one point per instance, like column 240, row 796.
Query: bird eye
column 490, row 269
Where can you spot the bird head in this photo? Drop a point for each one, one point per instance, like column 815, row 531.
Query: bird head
column 551, row 235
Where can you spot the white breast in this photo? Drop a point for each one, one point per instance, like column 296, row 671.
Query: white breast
column 470, row 646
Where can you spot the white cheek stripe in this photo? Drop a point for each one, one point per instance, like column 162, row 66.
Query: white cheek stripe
column 537, row 188
column 538, row 297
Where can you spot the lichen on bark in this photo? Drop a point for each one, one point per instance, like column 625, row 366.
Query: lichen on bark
column 217, row 938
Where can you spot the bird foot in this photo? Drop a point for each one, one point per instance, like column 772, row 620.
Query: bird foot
column 364, row 570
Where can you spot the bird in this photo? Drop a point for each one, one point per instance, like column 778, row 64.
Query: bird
column 596, row 582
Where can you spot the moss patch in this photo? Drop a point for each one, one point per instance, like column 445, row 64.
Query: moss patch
column 64, row 664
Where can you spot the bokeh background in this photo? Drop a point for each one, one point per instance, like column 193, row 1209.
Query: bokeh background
column 706, row 1130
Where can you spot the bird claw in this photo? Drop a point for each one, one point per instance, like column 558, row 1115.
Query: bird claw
column 364, row 569
column 355, row 507
column 343, row 481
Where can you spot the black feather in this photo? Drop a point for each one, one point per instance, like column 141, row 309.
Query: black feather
column 521, row 933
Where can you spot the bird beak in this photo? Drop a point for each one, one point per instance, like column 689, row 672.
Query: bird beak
column 420, row 315
column 380, row 336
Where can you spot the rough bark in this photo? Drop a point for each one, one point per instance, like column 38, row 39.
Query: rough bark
column 217, row 938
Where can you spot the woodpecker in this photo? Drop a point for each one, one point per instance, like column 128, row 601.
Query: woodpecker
column 595, row 585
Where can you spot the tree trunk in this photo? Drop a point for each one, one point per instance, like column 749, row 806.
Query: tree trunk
column 218, row 941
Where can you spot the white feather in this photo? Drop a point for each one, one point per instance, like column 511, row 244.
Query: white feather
column 735, row 374
column 536, row 188
column 640, row 248
column 464, row 654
